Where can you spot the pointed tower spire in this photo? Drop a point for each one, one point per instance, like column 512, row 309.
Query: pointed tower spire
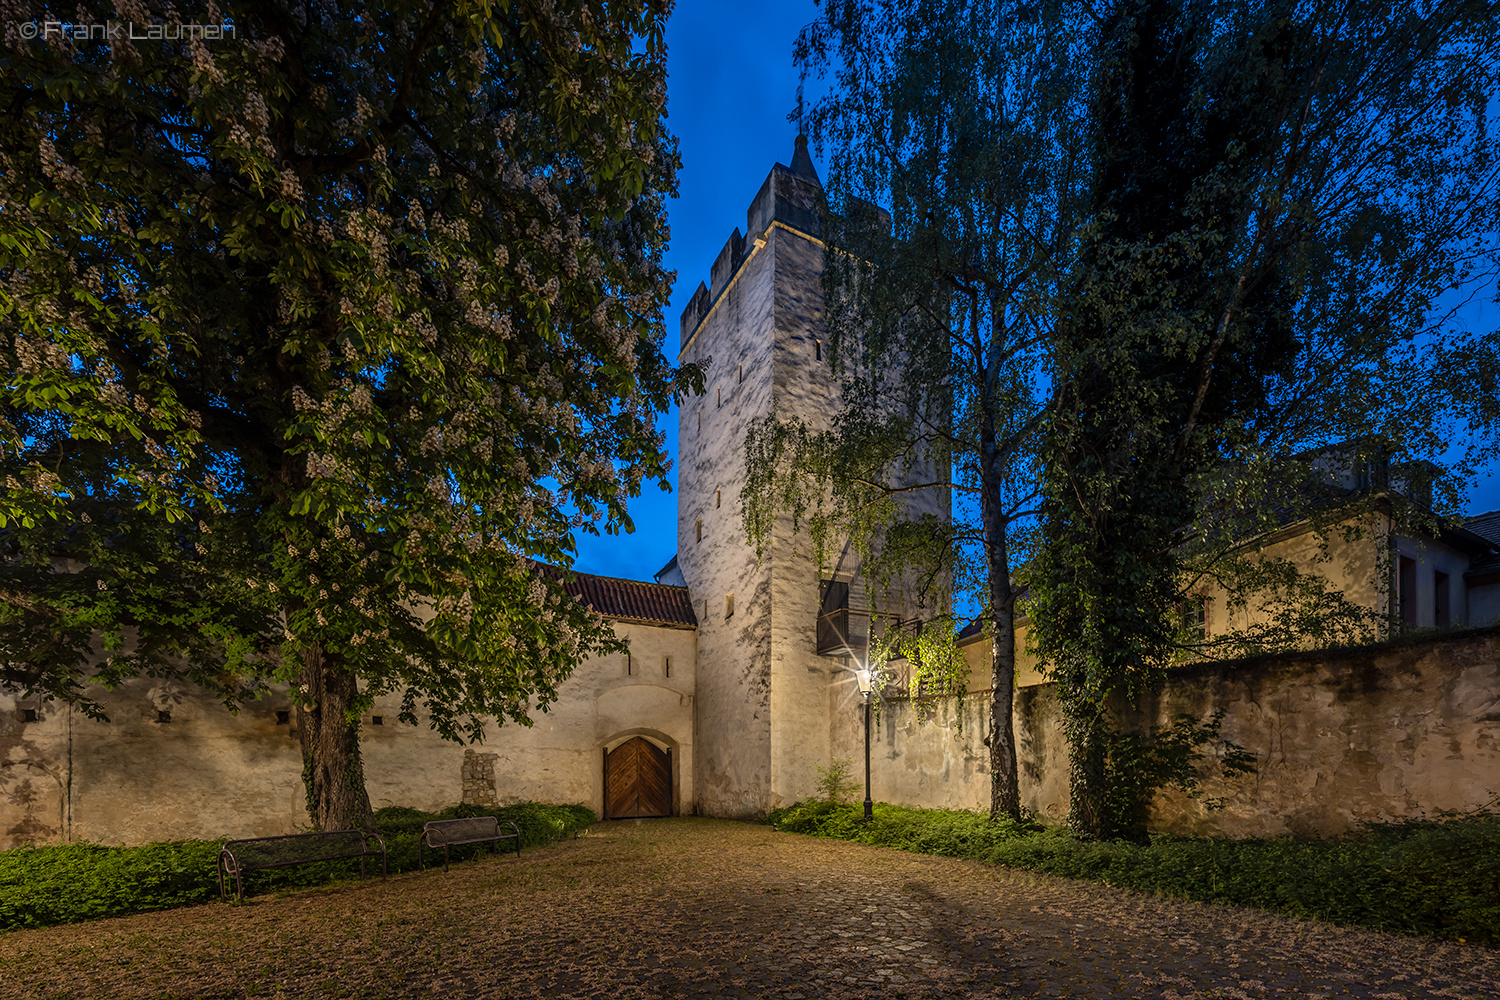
column 802, row 164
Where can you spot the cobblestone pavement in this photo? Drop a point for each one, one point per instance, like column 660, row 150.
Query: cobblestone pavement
column 702, row 908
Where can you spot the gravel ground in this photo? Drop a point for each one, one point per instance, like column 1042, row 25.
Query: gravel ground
column 694, row 907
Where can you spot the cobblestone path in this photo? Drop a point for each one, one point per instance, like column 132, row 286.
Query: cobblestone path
column 701, row 908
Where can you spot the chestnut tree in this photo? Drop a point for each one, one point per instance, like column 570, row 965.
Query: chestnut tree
column 322, row 323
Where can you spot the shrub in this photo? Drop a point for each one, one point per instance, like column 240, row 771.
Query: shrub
column 834, row 782
column 1438, row 877
column 42, row 886
column 54, row 885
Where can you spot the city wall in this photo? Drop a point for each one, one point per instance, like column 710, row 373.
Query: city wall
column 173, row 764
column 1366, row 734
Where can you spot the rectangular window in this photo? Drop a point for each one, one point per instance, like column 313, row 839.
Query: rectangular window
column 817, row 349
column 1195, row 618
column 729, row 606
column 835, row 596
column 742, row 373
column 700, row 420
column 718, row 499
column 699, row 530
column 666, row 666
column 1441, row 616
column 628, row 670
column 1408, row 593
column 721, row 396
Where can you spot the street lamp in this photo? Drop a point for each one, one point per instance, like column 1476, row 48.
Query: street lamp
column 865, row 678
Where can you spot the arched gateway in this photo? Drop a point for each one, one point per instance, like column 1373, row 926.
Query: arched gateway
column 637, row 780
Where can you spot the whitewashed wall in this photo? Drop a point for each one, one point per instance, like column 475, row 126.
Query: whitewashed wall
column 208, row 773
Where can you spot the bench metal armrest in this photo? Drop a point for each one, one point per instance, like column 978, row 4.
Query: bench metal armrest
column 381, row 841
column 233, row 868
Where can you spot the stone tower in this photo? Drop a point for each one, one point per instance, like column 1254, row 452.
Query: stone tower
column 763, row 693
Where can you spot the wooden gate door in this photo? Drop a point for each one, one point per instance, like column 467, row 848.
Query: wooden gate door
column 637, row 780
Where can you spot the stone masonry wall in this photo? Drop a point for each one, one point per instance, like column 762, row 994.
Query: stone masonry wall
column 805, row 388
column 1376, row 733
column 756, row 327
column 733, row 342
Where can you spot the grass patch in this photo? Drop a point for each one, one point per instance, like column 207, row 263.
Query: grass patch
column 43, row 886
column 1436, row 877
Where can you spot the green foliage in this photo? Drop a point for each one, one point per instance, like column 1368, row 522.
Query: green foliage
column 43, row 886
column 951, row 833
column 1436, row 877
column 315, row 336
column 1219, row 324
column 40, row 886
column 1136, row 767
column 834, row 782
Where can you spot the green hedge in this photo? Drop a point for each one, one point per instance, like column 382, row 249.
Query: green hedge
column 42, row 886
column 1434, row 877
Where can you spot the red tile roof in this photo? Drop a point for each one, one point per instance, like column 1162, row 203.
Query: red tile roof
column 633, row 600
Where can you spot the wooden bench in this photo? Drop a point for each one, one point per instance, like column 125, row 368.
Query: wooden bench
column 446, row 833
column 259, row 853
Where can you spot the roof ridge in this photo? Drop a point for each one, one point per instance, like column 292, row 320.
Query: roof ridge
column 626, row 579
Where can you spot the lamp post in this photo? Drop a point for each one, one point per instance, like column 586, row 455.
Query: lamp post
column 866, row 680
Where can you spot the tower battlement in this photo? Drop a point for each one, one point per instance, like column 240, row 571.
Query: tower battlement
column 792, row 196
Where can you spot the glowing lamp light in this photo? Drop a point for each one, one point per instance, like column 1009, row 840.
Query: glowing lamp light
column 865, row 678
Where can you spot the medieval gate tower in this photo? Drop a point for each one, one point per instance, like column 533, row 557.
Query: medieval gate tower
column 764, row 694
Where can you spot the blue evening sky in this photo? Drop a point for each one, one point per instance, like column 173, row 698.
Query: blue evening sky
column 731, row 86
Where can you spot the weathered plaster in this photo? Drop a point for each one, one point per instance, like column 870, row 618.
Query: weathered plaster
column 1366, row 734
column 208, row 773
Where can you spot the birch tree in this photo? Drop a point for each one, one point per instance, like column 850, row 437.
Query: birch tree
column 964, row 119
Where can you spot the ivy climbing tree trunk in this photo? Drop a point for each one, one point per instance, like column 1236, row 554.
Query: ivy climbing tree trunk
column 328, row 723
column 1085, row 727
column 1256, row 286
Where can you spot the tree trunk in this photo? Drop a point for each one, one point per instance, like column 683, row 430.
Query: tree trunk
column 1005, row 792
column 332, row 771
column 1083, row 725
